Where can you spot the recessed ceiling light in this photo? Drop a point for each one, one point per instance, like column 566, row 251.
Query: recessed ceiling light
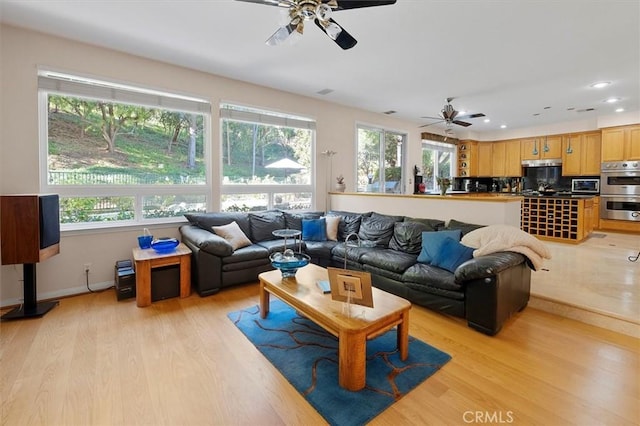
column 600, row 84
column 536, row 114
column 503, row 126
column 547, row 107
column 612, row 100
column 620, row 110
column 324, row 91
column 486, row 120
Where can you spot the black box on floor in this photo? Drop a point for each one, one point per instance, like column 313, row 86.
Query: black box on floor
column 165, row 282
column 125, row 280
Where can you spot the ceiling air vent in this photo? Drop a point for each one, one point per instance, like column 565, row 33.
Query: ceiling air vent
column 390, row 112
column 324, row 91
column 585, row 110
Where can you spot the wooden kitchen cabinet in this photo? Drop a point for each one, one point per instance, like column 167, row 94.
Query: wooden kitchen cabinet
column 506, row 159
column 621, row 143
column 485, row 159
column 541, row 148
column 581, row 154
column 513, row 163
column 498, row 159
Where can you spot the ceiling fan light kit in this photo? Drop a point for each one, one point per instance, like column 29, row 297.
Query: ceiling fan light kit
column 320, row 11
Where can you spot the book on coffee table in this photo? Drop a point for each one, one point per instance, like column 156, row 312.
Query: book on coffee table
column 324, row 286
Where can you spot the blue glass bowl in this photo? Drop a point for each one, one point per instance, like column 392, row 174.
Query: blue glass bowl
column 289, row 265
column 164, row 245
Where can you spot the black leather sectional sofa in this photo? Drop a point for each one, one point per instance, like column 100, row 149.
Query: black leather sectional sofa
column 485, row 290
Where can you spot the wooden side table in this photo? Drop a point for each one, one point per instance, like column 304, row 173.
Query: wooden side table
column 147, row 259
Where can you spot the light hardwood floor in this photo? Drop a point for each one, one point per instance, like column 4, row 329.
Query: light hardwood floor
column 595, row 276
column 95, row 361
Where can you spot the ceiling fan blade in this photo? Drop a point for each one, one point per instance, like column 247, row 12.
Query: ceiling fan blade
column 336, row 33
column 461, row 123
column 279, row 3
column 431, row 124
column 467, row 116
column 354, row 4
column 434, row 118
column 281, row 35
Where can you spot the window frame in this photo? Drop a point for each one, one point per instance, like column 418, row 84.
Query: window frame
column 67, row 84
column 261, row 115
column 439, row 147
column 403, row 160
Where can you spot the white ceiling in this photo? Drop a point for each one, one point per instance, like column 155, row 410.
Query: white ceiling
column 509, row 59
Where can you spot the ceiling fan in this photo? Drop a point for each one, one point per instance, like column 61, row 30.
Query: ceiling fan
column 320, row 11
column 450, row 116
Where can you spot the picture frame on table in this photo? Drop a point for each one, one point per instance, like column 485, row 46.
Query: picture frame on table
column 351, row 286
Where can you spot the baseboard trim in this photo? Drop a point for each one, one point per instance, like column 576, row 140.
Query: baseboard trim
column 590, row 316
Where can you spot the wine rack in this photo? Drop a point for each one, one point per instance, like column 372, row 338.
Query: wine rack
column 467, row 158
column 555, row 218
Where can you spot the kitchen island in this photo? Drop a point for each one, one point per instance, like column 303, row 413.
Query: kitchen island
column 558, row 218
column 479, row 208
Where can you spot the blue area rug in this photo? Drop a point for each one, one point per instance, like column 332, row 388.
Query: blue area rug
column 308, row 357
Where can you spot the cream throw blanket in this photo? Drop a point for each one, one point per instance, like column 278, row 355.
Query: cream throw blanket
column 495, row 238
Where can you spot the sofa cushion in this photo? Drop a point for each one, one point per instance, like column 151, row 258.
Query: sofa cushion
column 378, row 228
column 232, row 233
column 264, row 223
column 451, row 255
column 278, row 245
column 319, row 249
column 314, row 229
column 249, row 253
column 388, row 259
column 293, row 220
column 349, row 223
column 419, row 275
column 407, row 236
column 431, row 243
column 208, row 220
column 463, row 226
column 432, row 224
column 353, row 254
column 333, row 223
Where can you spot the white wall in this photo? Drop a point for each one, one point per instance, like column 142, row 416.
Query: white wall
column 23, row 51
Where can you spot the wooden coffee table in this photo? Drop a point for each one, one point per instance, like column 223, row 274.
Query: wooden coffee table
column 353, row 331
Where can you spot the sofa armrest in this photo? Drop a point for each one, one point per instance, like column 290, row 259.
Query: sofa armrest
column 206, row 241
column 487, row 266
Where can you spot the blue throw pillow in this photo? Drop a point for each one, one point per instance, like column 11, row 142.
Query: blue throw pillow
column 451, row 255
column 431, row 243
column 314, row 229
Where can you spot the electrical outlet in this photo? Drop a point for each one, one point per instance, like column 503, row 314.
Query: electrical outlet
column 87, row 267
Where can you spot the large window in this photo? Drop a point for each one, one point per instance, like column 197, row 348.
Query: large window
column 380, row 157
column 437, row 161
column 121, row 155
column 266, row 160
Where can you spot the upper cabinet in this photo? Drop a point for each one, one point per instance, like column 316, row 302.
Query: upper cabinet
column 581, row 154
column 506, row 159
column 621, row 143
column 485, row 159
column 541, row 148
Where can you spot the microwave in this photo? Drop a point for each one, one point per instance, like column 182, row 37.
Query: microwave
column 585, row 186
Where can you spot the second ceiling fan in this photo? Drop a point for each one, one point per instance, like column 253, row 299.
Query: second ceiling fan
column 450, row 116
column 319, row 11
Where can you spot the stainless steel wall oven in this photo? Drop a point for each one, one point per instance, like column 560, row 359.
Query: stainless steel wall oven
column 620, row 190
